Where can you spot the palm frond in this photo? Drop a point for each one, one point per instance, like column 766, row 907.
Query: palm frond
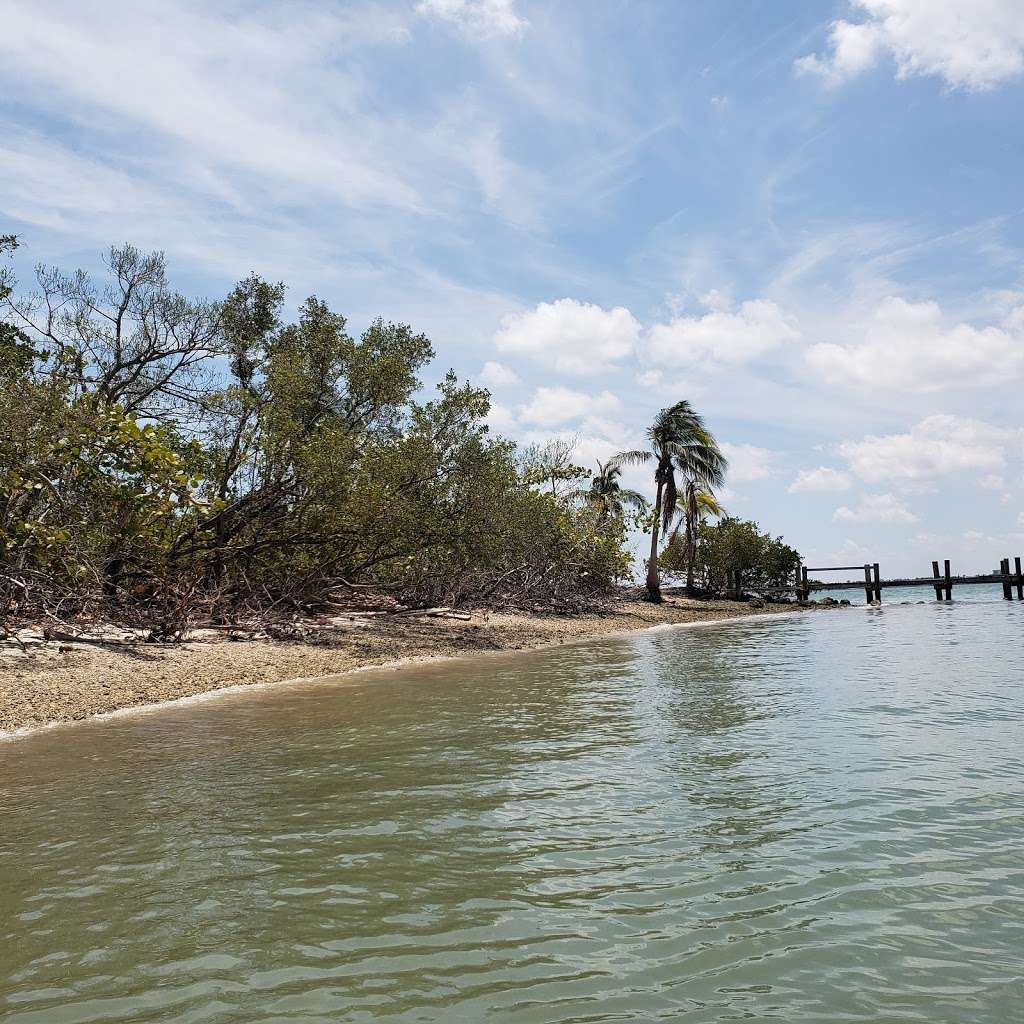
column 670, row 499
column 634, row 499
column 636, row 457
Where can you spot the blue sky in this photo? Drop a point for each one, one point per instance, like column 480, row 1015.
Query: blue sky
column 806, row 217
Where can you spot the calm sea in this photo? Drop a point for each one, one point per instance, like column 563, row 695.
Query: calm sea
column 811, row 818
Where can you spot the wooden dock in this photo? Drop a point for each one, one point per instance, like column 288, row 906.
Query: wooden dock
column 1011, row 579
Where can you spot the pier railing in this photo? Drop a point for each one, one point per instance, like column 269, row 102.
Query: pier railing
column 1012, row 580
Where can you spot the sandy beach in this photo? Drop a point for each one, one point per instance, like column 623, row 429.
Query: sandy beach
column 51, row 681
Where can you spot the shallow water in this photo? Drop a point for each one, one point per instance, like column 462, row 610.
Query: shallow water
column 813, row 818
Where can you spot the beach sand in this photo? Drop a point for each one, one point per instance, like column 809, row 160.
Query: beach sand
column 61, row 680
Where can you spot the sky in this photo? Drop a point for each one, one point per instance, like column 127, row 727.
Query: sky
column 806, row 217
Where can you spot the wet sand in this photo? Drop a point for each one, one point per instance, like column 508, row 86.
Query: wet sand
column 62, row 681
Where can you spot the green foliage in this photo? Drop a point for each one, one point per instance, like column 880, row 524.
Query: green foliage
column 167, row 458
column 687, row 461
column 729, row 545
column 611, row 500
column 16, row 351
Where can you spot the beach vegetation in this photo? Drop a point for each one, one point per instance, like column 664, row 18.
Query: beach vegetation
column 728, row 546
column 686, row 459
column 167, row 460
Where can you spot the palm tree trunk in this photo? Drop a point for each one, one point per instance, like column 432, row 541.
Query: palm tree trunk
column 691, row 539
column 653, row 580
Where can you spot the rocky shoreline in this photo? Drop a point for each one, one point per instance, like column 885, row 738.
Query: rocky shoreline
column 43, row 682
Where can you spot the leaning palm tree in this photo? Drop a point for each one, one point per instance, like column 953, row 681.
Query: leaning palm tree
column 609, row 497
column 679, row 442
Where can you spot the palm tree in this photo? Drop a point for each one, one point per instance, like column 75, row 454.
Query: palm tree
column 679, row 441
column 611, row 499
column 699, row 502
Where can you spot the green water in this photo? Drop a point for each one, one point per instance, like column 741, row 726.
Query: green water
column 817, row 818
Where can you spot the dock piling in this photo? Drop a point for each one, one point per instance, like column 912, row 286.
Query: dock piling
column 941, row 581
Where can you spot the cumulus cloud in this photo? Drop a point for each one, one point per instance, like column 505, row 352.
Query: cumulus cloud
column 484, row 19
column 875, row 508
column 937, row 446
column 822, row 480
column 971, row 44
column 496, row 375
column 748, row 462
column 571, row 337
column 909, row 346
column 551, row 406
column 501, row 419
column 721, row 337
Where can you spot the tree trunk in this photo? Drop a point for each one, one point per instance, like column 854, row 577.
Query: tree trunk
column 653, row 580
column 691, row 545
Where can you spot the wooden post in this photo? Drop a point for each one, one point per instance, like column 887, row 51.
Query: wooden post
column 935, row 573
column 878, row 584
column 805, row 593
column 739, row 584
column 949, row 580
column 1004, row 567
column 867, row 584
column 1020, row 579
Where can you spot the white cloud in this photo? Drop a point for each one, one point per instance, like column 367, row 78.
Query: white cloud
column 748, row 462
column 875, row 508
column 721, row 337
column 484, row 19
column 569, row 336
column 497, row 375
column 673, row 388
column 727, row 498
column 971, row 44
column 908, row 346
column 551, row 406
column 937, row 446
column 823, row 479
column 501, row 419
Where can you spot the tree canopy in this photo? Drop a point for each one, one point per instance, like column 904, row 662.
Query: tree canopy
column 167, row 458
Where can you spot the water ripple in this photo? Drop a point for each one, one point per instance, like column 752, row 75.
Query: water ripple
column 812, row 819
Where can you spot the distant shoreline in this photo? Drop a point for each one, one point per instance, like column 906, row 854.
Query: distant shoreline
column 61, row 683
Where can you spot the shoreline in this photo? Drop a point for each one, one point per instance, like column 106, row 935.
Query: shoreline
column 56, row 684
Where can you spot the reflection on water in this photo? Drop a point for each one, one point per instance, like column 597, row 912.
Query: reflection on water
column 813, row 818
